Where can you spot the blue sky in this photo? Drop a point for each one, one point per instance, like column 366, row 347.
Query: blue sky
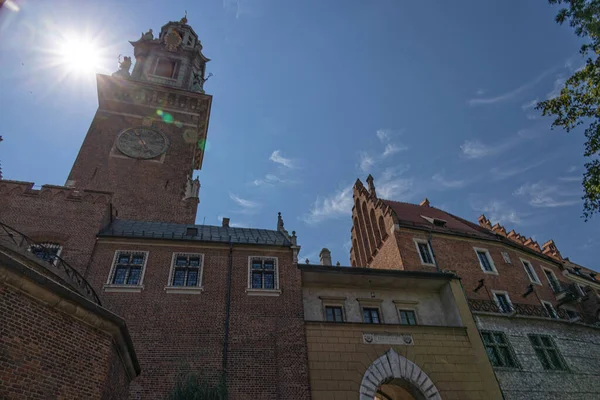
column 433, row 100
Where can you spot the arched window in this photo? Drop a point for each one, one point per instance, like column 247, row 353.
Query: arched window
column 359, row 250
column 375, row 228
column 382, row 228
column 362, row 230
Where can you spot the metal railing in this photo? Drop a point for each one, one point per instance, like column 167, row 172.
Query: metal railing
column 531, row 310
column 47, row 255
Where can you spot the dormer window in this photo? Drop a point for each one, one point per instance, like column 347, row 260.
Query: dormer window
column 166, row 68
column 435, row 221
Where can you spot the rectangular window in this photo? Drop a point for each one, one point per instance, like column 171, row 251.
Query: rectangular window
column 503, row 302
column 166, row 68
column 550, row 309
column 371, row 315
column 128, row 268
column 547, row 353
column 484, row 261
column 425, row 253
column 407, row 317
column 499, row 350
column 263, row 273
column 186, row 270
column 530, row 272
column 554, row 283
column 334, row 314
column 46, row 251
column 581, row 290
column 506, row 257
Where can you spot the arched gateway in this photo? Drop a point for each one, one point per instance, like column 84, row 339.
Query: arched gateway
column 394, row 377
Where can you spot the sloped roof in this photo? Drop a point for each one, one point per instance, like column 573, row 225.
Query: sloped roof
column 206, row 233
column 412, row 214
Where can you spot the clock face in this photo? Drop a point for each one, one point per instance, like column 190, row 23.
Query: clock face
column 142, row 143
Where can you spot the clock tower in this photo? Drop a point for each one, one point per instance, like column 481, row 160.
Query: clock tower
column 149, row 132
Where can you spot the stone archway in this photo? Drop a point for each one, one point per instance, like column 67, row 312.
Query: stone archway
column 392, row 367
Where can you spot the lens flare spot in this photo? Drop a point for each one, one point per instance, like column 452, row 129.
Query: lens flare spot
column 201, row 144
column 159, row 112
column 168, row 118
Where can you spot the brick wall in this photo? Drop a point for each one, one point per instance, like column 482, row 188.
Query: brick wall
column 267, row 349
column 56, row 214
column 338, row 359
column 147, row 190
column 47, row 354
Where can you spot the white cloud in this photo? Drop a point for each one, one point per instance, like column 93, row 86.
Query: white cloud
column 542, row 194
column 247, row 204
column 508, row 95
column 269, row 179
column 480, row 92
column 498, row 211
column 390, row 185
column 276, row 157
column 559, row 83
column 529, row 105
column 391, row 148
column 499, row 173
column 366, row 161
column 572, row 168
column 448, row 183
column 333, row 206
column 475, row 149
column 384, row 134
column 570, row 179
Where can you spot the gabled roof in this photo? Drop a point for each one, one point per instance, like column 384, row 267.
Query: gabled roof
column 205, row 233
column 412, row 214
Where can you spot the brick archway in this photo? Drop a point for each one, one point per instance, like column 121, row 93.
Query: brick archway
column 392, row 366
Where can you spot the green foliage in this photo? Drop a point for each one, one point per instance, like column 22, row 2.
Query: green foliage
column 579, row 100
column 190, row 386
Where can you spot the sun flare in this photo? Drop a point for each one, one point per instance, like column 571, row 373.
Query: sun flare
column 79, row 55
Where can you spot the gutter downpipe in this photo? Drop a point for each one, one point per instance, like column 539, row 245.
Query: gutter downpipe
column 227, row 312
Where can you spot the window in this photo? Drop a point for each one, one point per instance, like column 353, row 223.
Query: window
column 371, row 315
column 166, row 68
column 46, row 251
column 530, row 272
column 334, row 314
column 503, row 302
column 407, row 317
column 128, row 268
column 506, row 257
column 547, row 353
column 581, row 290
column 263, row 273
column 425, row 252
column 554, row 283
column 572, row 314
column 550, row 309
column 499, row 350
column 186, row 271
column 485, row 261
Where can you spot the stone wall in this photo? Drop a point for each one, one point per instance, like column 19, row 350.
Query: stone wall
column 578, row 344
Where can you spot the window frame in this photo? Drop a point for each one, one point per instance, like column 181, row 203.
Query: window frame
column 332, row 301
column 506, row 257
column 276, row 291
column 406, row 309
column 581, row 289
column 118, row 287
column 371, row 307
column 554, row 313
column 334, row 306
column 425, row 242
column 198, row 288
column 504, row 293
column 523, row 261
column 176, row 68
column 499, row 355
column 488, row 255
column 546, row 269
column 47, row 245
column 544, row 348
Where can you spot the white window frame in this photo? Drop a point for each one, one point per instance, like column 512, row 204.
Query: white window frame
column 506, row 257
column 112, row 287
column 177, row 69
column 185, row 289
column 250, row 291
column 424, row 241
column 494, row 271
column 544, row 269
column 333, row 301
column 544, row 302
column 505, row 293
column 537, row 281
column 581, row 289
column 414, row 310
column 48, row 244
column 370, row 303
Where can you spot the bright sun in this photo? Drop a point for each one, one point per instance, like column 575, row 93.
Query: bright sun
column 79, row 55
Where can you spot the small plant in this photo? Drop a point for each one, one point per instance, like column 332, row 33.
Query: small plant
column 190, row 386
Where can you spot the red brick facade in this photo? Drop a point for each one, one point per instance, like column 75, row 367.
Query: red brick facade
column 454, row 243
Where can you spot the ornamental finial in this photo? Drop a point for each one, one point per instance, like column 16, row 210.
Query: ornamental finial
column 184, row 19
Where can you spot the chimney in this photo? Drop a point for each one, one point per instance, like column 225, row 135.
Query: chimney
column 425, row 203
column 325, row 256
column 225, row 222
